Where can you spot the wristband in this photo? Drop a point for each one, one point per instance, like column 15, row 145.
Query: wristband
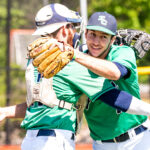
column 75, row 54
column 74, row 57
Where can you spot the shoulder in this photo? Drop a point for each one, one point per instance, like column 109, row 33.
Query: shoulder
column 122, row 52
column 74, row 70
column 124, row 55
column 123, row 49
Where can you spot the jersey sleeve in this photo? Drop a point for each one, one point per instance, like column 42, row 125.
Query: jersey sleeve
column 90, row 84
column 126, row 56
column 95, row 88
column 123, row 55
column 75, row 80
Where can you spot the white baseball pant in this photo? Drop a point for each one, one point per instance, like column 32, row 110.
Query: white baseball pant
column 56, row 139
column 135, row 142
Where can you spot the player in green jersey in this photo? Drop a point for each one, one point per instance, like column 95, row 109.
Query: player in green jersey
column 111, row 128
column 54, row 126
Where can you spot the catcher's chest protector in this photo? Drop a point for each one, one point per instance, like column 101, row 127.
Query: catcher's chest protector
column 38, row 89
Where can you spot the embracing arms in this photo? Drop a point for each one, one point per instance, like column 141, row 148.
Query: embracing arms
column 125, row 102
column 16, row 111
column 100, row 67
column 118, row 99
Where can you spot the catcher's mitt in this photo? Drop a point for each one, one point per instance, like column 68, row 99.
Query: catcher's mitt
column 138, row 40
column 49, row 55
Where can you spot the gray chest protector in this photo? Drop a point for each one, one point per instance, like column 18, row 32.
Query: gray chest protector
column 38, row 88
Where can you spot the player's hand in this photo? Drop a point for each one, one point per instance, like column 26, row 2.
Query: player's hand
column 2, row 114
column 50, row 55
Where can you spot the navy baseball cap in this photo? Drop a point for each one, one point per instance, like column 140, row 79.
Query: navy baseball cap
column 103, row 21
column 53, row 16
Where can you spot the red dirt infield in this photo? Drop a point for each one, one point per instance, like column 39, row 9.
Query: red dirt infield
column 78, row 147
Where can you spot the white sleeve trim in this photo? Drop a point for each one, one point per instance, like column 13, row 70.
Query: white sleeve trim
column 139, row 107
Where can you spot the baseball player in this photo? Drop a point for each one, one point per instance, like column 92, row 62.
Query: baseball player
column 51, row 123
column 54, row 126
column 111, row 128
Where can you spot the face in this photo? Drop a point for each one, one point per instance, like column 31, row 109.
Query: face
column 98, row 43
column 71, row 31
column 66, row 34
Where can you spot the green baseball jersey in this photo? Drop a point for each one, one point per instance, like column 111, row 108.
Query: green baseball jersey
column 104, row 121
column 69, row 84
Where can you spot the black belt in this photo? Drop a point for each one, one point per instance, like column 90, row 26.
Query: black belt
column 125, row 136
column 38, row 103
column 48, row 132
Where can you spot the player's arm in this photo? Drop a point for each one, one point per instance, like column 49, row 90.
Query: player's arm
column 16, row 111
column 101, row 67
column 125, row 102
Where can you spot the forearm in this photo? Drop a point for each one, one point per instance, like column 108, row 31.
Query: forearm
column 139, row 107
column 125, row 102
column 16, row 111
column 100, row 67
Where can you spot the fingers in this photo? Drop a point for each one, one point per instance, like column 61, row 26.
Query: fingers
column 2, row 115
column 35, row 49
column 39, row 59
column 50, row 57
column 37, row 42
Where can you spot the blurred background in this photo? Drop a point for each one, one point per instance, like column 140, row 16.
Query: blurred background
column 17, row 25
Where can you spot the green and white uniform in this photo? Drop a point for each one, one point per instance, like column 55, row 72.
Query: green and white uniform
column 69, row 84
column 106, row 122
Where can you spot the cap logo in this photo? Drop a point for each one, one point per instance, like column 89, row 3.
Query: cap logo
column 103, row 20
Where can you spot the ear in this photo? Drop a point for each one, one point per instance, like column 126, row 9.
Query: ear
column 113, row 39
column 64, row 31
column 86, row 31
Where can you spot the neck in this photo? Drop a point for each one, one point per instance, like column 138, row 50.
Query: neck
column 104, row 54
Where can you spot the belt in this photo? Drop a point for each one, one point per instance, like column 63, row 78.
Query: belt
column 46, row 132
column 64, row 104
column 49, row 132
column 125, row 136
